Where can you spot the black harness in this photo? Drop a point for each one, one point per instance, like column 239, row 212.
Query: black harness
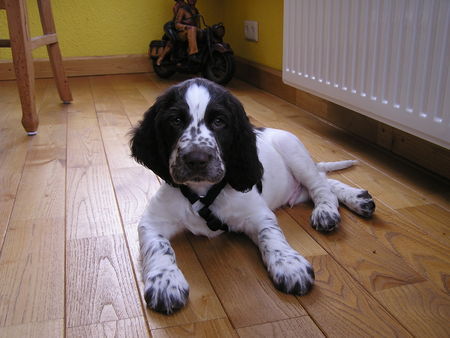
column 211, row 220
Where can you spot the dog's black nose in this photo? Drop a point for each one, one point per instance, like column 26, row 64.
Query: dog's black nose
column 197, row 159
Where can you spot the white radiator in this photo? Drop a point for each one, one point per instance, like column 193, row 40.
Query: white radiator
column 387, row 59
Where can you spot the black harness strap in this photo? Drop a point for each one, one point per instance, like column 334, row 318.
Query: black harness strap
column 211, row 220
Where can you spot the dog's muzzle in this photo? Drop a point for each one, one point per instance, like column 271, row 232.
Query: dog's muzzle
column 197, row 164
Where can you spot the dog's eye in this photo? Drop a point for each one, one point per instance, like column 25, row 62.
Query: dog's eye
column 176, row 122
column 218, row 123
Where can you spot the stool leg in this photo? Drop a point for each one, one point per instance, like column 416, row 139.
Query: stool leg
column 54, row 53
column 16, row 12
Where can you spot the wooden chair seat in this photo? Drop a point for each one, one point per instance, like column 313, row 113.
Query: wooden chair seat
column 21, row 45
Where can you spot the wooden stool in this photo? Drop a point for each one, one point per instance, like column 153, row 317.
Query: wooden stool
column 21, row 45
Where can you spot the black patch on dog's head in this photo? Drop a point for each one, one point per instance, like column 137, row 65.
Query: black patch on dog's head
column 237, row 140
column 154, row 137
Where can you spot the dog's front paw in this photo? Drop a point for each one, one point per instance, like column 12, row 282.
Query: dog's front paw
column 325, row 217
column 291, row 273
column 166, row 290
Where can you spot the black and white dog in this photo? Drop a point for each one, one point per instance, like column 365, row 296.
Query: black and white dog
column 223, row 174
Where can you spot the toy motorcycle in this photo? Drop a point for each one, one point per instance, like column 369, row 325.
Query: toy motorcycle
column 215, row 57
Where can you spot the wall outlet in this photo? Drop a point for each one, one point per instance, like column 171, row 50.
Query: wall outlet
column 251, row 30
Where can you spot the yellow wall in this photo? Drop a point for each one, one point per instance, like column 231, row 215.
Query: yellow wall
column 269, row 15
column 115, row 27
column 100, row 27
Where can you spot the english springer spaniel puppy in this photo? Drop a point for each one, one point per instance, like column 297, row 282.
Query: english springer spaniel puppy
column 222, row 174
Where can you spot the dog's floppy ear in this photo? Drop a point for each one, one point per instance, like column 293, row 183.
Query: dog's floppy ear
column 243, row 168
column 147, row 146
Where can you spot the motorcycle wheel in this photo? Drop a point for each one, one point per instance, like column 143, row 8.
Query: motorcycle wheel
column 220, row 68
column 163, row 71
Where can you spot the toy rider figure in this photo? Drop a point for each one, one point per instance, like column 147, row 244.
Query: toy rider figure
column 178, row 4
column 187, row 23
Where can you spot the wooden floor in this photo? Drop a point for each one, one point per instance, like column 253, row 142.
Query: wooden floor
column 71, row 197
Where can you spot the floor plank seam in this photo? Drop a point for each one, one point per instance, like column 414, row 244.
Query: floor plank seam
column 276, row 321
column 12, row 208
column 106, row 322
column 65, row 321
column 191, row 323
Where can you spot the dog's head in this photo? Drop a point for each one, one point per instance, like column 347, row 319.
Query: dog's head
column 198, row 132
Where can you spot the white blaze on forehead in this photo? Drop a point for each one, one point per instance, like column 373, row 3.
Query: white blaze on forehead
column 197, row 98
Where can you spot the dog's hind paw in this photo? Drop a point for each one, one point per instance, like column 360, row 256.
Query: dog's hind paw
column 364, row 204
column 166, row 290
column 291, row 273
column 325, row 217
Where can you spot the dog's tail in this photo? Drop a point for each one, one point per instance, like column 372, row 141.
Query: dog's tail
column 332, row 166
